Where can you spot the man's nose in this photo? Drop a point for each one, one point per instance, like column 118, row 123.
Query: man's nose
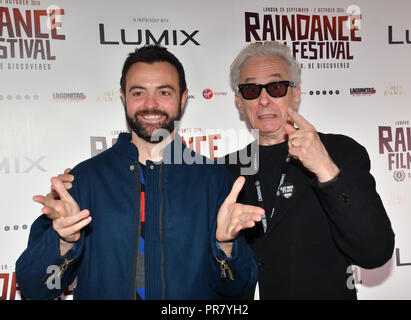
column 151, row 101
column 264, row 98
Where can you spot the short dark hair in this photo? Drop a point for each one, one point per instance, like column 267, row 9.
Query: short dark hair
column 151, row 54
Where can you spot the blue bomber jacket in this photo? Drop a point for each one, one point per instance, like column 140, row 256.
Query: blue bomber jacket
column 182, row 259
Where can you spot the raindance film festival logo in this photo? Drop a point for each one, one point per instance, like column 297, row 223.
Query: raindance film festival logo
column 319, row 38
column 27, row 35
column 9, row 289
column 395, row 143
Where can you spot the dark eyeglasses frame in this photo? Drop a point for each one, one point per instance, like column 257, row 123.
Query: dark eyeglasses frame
column 261, row 86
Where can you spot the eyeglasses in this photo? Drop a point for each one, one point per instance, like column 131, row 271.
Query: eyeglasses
column 276, row 89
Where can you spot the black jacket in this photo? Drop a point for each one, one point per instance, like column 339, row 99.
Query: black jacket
column 321, row 230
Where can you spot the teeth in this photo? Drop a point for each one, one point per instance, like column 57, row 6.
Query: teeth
column 152, row 117
column 267, row 116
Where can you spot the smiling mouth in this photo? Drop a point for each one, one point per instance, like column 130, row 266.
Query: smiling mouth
column 153, row 119
column 151, row 116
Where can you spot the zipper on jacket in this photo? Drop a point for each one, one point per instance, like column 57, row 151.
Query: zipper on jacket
column 60, row 271
column 163, row 294
column 138, row 213
column 225, row 267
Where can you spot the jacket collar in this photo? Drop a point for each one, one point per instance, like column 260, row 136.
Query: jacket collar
column 173, row 152
column 125, row 147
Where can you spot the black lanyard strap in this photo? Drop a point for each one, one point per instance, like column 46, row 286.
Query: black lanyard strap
column 257, row 184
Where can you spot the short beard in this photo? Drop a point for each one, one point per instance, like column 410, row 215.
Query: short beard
column 147, row 133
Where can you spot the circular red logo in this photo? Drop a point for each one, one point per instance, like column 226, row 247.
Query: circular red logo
column 399, row 175
column 207, row 94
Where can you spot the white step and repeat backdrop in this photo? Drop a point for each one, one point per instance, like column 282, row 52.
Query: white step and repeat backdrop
column 60, row 66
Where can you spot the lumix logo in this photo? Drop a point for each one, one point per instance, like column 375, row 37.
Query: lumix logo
column 146, row 37
column 398, row 261
column 20, row 165
column 399, row 40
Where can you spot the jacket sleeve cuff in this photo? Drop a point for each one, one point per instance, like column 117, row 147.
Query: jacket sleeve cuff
column 64, row 264
column 329, row 182
column 221, row 254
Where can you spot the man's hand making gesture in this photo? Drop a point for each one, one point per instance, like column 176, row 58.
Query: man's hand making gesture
column 234, row 217
column 305, row 145
column 63, row 210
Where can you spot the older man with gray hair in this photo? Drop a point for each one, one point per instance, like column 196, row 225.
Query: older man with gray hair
column 322, row 211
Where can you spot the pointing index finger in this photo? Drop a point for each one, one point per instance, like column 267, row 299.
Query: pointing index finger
column 298, row 119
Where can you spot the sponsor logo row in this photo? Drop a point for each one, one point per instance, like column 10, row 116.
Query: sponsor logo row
column 206, row 94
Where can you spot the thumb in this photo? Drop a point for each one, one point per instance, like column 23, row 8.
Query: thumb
column 236, row 189
column 60, row 189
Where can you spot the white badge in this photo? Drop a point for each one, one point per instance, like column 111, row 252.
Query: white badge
column 287, row 190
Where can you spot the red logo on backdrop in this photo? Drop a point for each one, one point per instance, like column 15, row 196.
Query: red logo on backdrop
column 4, row 293
column 69, row 96
column 28, row 36
column 9, row 289
column 362, row 91
column 395, row 143
column 321, row 35
column 399, row 175
column 207, row 94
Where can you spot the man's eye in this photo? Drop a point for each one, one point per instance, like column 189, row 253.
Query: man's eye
column 164, row 93
column 137, row 93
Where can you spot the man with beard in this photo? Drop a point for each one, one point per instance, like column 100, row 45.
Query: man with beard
column 134, row 226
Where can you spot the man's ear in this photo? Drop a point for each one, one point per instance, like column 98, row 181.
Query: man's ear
column 296, row 99
column 184, row 97
column 239, row 103
column 123, row 97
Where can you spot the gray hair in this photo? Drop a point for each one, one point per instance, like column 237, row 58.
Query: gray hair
column 267, row 48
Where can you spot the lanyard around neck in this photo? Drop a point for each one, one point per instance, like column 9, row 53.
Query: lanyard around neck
column 257, row 184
